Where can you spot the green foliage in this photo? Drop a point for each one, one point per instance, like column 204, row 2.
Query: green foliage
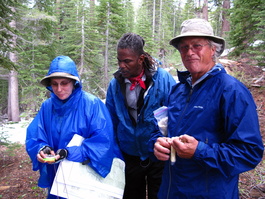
column 247, row 26
column 259, row 48
column 6, row 31
column 216, row 21
column 189, row 10
column 168, row 16
column 4, row 91
column 144, row 28
column 88, row 32
column 111, row 24
column 37, row 49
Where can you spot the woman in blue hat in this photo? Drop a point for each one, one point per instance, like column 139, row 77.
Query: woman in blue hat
column 69, row 111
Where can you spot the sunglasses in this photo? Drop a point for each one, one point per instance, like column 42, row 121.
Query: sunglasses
column 63, row 83
column 194, row 47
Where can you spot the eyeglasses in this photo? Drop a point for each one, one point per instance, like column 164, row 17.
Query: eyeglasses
column 195, row 48
column 62, row 83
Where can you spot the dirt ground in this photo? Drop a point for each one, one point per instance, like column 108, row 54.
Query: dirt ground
column 17, row 180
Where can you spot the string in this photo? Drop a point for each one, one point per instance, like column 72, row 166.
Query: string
column 65, row 188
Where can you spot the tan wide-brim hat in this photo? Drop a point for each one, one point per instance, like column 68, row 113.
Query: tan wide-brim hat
column 46, row 80
column 197, row 28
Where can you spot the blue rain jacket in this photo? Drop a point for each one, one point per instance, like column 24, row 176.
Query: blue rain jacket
column 221, row 114
column 57, row 122
column 133, row 140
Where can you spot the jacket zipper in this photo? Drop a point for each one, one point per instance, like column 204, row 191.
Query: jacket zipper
column 170, row 166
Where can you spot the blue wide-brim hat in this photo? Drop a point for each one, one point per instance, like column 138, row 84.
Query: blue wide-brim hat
column 61, row 67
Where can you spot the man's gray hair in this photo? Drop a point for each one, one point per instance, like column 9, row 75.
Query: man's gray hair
column 218, row 48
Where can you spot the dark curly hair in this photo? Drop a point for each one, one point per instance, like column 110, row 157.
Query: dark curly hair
column 136, row 43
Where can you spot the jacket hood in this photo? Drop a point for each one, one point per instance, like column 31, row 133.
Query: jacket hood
column 61, row 66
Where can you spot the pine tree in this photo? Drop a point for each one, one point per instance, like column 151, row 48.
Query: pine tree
column 257, row 49
column 111, row 22
column 247, row 26
column 7, row 32
column 36, row 50
column 88, row 32
column 6, row 15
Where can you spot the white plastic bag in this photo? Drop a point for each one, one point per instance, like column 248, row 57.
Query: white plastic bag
column 162, row 118
column 161, row 115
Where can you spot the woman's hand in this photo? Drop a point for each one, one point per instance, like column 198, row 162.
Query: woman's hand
column 49, row 158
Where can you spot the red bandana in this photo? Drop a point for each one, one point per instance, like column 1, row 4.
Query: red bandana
column 137, row 80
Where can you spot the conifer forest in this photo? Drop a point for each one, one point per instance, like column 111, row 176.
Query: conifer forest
column 34, row 32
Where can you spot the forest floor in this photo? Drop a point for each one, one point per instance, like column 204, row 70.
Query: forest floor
column 17, row 180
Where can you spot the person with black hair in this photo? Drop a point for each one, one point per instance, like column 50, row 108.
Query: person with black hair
column 138, row 88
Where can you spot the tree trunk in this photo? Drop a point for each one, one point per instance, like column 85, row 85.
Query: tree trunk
column 225, row 22
column 82, row 57
column 13, row 103
column 205, row 10
column 154, row 18
column 106, row 53
column 160, row 22
column 58, row 10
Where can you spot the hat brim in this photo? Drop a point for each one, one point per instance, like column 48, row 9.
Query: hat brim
column 175, row 41
column 46, row 80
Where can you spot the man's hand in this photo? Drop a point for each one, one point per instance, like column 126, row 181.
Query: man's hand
column 185, row 146
column 162, row 148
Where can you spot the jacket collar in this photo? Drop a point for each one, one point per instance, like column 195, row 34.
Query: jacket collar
column 184, row 76
column 148, row 73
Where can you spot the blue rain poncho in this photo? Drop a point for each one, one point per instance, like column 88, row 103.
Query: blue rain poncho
column 57, row 122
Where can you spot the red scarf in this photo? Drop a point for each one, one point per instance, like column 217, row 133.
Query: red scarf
column 137, row 80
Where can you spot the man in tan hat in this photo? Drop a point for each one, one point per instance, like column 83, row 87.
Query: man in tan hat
column 212, row 123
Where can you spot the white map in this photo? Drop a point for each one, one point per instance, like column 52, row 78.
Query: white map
column 76, row 181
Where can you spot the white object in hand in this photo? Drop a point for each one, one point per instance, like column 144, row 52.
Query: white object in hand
column 162, row 124
column 172, row 155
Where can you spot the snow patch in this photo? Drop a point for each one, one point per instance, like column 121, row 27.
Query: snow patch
column 15, row 132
